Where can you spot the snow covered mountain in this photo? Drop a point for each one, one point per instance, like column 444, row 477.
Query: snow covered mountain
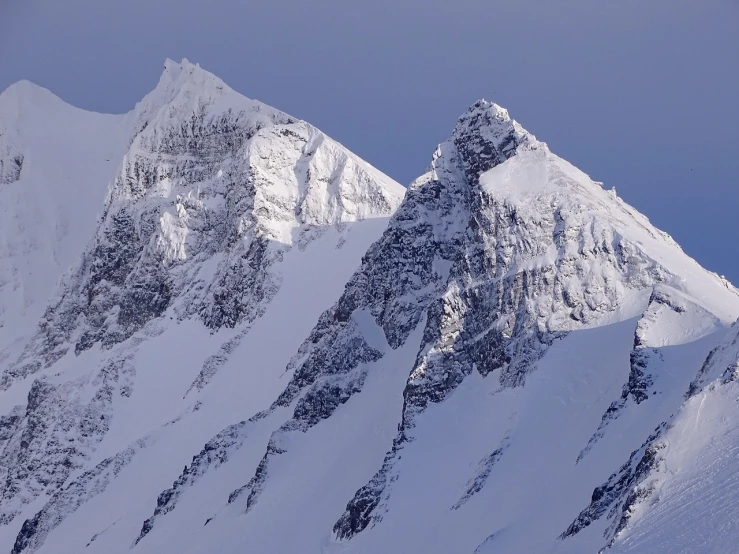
column 482, row 372
column 228, row 227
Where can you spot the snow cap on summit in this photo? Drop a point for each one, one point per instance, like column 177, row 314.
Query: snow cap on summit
column 25, row 93
column 185, row 70
column 176, row 75
column 483, row 105
column 185, row 87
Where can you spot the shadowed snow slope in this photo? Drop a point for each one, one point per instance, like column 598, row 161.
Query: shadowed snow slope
column 460, row 377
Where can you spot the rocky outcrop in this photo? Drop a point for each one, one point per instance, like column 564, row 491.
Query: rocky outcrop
column 59, row 430
column 11, row 157
column 34, row 531
column 214, row 454
column 624, row 489
column 484, row 468
column 721, row 365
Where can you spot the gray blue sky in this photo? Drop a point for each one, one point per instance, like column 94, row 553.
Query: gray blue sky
column 643, row 95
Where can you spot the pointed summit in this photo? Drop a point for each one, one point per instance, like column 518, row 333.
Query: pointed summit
column 186, row 89
column 485, row 136
column 186, row 72
column 184, row 64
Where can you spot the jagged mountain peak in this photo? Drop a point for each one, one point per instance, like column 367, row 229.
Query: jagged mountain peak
column 186, row 90
column 485, row 136
column 210, row 179
column 294, row 165
column 502, row 176
column 489, row 118
column 173, row 66
column 186, row 77
column 217, row 206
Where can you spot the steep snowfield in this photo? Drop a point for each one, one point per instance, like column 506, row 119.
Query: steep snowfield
column 55, row 165
column 677, row 492
column 262, row 348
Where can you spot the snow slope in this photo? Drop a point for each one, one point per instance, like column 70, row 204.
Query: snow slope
column 55, row 164
column 677, row 492
column 469, row 375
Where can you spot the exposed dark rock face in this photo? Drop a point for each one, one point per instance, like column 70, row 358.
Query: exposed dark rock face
column 485, row 467
column 9, row 424
column 213, row 363
column 12, row 157
column 136, row 266
column 57, row 433
column 636, row 389
column 10, row 169
column 624, row 489
column 25, row 535
column 214, row 453
column 717, row 367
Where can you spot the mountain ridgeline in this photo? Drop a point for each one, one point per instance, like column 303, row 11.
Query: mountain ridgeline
column 503, row 357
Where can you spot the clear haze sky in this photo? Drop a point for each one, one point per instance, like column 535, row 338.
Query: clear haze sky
column 640, row 94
